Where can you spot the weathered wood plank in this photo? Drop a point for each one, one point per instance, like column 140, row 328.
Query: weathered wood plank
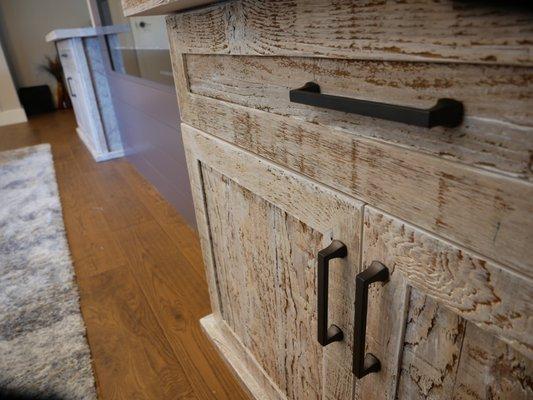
column 263, row 82
column 489, row 369
column 245, row 257
column 264, row 263
column 485, row 212
column 246, row 368
column 431, row 350
column 408, row 30
column 496, row 134
column 473, row 288
column 202, row 222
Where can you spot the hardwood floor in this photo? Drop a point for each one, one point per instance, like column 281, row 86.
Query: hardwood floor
column 140, row 273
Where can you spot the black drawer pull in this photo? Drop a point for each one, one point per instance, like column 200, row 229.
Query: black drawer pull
column 365, row 364
column 447, row 112
column 326, row 335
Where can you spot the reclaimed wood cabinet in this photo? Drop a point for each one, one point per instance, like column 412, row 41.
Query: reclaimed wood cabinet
column 264, row 227
column 447, row 324
column 315, row 126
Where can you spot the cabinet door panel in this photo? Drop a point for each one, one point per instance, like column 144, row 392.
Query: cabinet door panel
column 262, row 227
column 78, row 103
column 448, row 324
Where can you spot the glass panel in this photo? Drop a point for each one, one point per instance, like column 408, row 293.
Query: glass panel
column 143, row 50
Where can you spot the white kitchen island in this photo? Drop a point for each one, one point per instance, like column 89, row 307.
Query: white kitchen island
column 82, row 57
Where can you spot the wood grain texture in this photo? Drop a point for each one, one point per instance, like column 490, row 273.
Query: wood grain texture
column 495, row 135
column 139, row 270
column 239, row 359
column 431, row 350
column 408, row 30
column 475, row 289
column 176, row 293
column 485, row 212
column 489, row 369
column 127, row 326
column 264, row 262
column 418, row 320
column 259, row 218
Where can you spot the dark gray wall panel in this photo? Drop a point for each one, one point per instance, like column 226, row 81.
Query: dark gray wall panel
column 155, row 100
column 163, row 162
column 148, row 117
column 156, row 134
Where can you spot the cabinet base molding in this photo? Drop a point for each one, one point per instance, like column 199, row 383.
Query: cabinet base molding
column 252, row 377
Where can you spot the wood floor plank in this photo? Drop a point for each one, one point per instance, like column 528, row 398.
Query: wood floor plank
column 170, row 221
column 119, row 203
column 132, row 357
column 88, row 237
column 179, row 298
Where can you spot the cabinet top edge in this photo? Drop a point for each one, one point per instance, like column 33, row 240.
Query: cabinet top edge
column 158, row 7
column 88, row 31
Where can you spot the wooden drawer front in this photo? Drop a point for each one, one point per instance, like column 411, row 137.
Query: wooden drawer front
column 261, row 229
column 470, row 184
column 448, row 324
column 496, row 133
column 485, row 211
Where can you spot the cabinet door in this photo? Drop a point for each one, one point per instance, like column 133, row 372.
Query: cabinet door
column 261, row 228
column 74, row 93
column 448, row 324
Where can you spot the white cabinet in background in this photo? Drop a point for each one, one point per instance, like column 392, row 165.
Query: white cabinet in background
column 81, row 56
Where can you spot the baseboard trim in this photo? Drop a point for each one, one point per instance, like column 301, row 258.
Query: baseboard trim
column 15, row 116
column 109, row 156
column 98, row 157
column 250, row 374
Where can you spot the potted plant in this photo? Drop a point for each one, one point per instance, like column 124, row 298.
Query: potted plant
column 54, row 68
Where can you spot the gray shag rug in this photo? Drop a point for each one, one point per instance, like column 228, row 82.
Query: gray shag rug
column 43, row 347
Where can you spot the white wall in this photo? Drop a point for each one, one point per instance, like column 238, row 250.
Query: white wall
column 10, row 110
column 23, row 26
column 153, row 35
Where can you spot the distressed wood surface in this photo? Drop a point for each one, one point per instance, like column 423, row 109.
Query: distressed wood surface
column 408, row 30
column 478, row 290
column 431, row 350
column 246, row 368
column 460, row 184
column 483, row 211
column 252, row 272
column 489, row 369
column 496, row 134
column 264, row 263
column 418, row 320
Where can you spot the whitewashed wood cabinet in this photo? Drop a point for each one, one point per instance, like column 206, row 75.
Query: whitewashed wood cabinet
column 444, row 214
column 82, row 58
column 263, row 227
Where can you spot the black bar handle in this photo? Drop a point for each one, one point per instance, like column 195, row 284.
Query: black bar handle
column 364, row 364
column 72, row 94
column 327, row 335
column 447, row 112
